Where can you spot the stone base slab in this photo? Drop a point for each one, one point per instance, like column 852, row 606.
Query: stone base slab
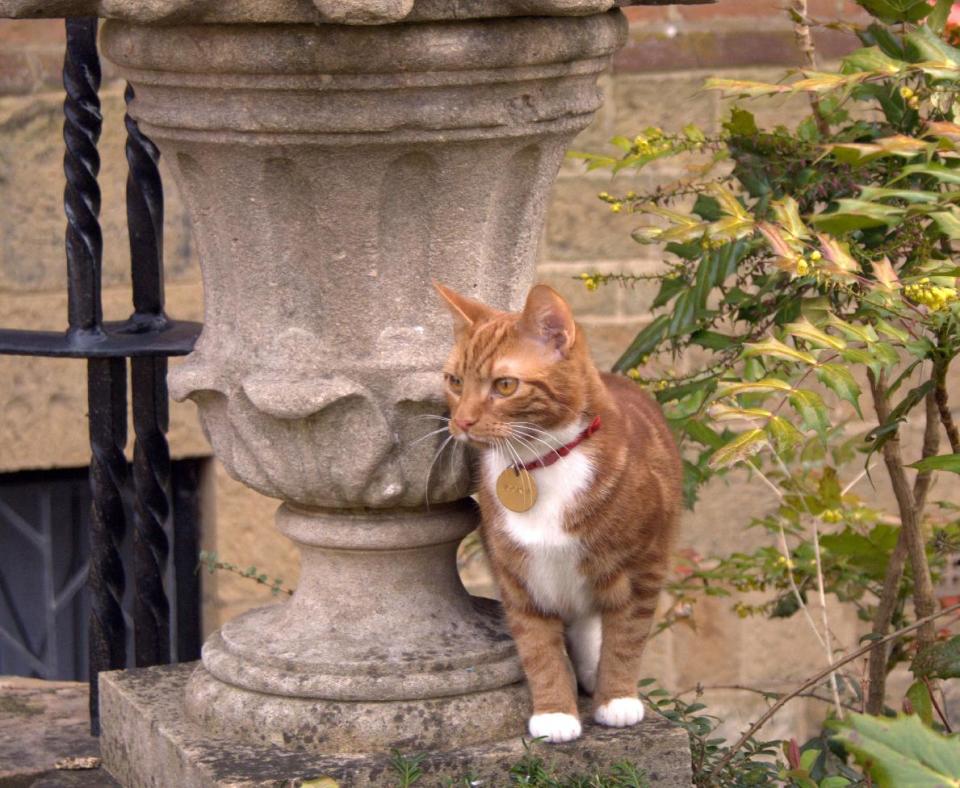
column 147, row 740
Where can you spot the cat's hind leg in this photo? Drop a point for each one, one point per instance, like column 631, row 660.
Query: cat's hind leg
column 583, row 646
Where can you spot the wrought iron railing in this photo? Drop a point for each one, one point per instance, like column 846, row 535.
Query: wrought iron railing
column 147, row 338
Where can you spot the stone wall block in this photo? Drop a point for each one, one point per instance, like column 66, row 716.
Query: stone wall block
column 664, row 100
column 31, row 191
column 582, row 227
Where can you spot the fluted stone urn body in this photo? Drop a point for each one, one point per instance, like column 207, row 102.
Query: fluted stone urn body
column 332, row 172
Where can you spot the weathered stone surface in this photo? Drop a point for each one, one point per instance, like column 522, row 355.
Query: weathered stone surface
column 329, row 726
column 406, row 607
column 294, row 363
column 349, row 12
column 145, row 734
column 43, row 723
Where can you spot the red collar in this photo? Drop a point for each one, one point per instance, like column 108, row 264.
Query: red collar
column 551, row 457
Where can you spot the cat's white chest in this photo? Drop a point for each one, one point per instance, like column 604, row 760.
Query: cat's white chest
column 553, row 556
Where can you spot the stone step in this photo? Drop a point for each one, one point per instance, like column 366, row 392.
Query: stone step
column 146, row 733
column 45, row 739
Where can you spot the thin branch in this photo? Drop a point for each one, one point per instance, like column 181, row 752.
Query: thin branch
column 827, row 644
column 769, row 694
column 801, row 31
column 946, row 417
column 924, row 600
column 877, row 668
column 785, row 551
column 931, row 447
column 813, row 680
column 933, row 700
column 857, row 479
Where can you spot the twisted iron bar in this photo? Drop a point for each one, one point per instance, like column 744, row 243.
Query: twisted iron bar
column 145, row 224
column 81, row 164
column 107, row 396
column 152, row 511
column 106, row 378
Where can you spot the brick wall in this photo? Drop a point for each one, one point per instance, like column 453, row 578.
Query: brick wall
column 655, row 80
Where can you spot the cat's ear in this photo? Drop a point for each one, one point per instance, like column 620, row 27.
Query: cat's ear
column 465, row 310
column 547, row 319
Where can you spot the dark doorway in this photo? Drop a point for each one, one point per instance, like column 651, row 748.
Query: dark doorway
column 44, row 551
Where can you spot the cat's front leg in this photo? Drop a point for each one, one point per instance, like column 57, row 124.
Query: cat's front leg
column 625, row 631
column 539, row 640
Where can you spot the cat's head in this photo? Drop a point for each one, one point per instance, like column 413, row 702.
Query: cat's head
column 508, row 371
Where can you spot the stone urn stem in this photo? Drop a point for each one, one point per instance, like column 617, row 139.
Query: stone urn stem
column 332, row 172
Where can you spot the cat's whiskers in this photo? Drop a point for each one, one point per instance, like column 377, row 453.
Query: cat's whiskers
column 518, row 432
column 430, row 471
column 525, row 443
column 453, row 456
column 428, row 435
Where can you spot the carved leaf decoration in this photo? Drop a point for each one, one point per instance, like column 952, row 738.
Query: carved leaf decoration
column 298, row 398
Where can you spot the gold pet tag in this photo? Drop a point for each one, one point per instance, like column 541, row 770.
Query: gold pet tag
column 517, row 490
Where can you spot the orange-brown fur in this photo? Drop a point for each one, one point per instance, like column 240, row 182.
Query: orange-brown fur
column 625, row 521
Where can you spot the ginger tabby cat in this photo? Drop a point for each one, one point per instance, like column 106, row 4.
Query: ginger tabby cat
column 580, row 570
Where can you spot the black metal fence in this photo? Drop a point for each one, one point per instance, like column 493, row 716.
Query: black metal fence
column 147, row 338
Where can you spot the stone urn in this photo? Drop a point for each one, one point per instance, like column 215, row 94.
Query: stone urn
column 336, row 158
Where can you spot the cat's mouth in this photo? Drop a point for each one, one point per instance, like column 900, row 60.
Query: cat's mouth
column 477, row 441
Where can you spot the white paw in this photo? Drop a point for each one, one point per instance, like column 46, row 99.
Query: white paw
column 555, row 727
column 619, row 712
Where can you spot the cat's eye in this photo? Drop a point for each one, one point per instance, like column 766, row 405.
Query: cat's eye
column 505, row 386
column 455, row 383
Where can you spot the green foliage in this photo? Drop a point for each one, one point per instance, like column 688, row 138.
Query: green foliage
column 814, row 270
column 211, row 562
column 939, row 661
column 902, row 751
column 801, row 262
column 756, row 764
column 406, row 767
column 532, row 771
column 944, row 462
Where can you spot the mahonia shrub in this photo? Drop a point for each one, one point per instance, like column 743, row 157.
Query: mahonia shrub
column 812, row 272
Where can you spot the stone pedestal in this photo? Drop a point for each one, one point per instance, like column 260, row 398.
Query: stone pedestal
column 332, row 171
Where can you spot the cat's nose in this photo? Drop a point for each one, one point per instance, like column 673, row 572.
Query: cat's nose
column 465, row 424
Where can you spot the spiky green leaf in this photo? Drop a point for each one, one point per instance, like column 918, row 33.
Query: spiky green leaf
column 902, row 752
column 740, row 448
